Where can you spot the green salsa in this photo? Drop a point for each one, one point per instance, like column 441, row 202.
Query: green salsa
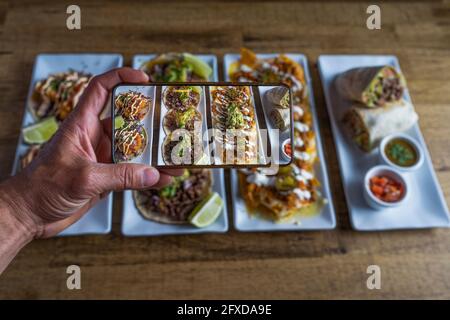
column 401, row 152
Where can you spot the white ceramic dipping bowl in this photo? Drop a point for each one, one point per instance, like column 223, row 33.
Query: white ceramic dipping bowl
column 418, row 149
column 383, row 170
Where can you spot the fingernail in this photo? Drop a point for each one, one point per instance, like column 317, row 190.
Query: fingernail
column 150, row 177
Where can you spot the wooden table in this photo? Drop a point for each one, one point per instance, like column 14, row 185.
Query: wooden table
column 294, row 265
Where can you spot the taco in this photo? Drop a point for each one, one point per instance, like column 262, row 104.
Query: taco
column 130, row 141
column 182, row 97
column 177, row 67
column 173, row 203
column 132, row 105
column 30, row 155
column 58, row 94
column 182, row 147
column 176, row 119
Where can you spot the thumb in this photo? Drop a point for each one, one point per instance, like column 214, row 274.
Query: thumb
column 123, row 176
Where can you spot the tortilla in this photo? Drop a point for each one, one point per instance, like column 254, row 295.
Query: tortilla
column 367, row 126
column 372, row 86
column 184, row 201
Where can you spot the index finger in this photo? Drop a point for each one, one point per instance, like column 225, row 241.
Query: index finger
column 96, row 94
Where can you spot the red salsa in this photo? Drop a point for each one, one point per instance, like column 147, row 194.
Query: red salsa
column 386, row 188
column 288, row 149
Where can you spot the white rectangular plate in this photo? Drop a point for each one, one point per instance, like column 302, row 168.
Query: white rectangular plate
column 147, row 122
column 425, row 208
column 323, row 220
column 204, row 127
column 98, row 219
column 133, row 224
column 261, row 151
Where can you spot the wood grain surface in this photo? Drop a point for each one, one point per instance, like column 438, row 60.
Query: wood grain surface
column 292, row 265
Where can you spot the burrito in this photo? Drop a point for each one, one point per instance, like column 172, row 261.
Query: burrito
column 278, row 96
column 371, row 86
column 367, row 126
column 280, row 118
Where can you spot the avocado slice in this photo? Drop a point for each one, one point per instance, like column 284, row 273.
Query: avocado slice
column 199, row 67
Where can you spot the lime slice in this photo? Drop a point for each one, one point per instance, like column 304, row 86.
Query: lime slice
column 203, row 160
column 118, row 122
column 40, row 132
column 198, row 66
column 207, row 211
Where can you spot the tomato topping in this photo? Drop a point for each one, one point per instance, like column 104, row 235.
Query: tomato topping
column 288, row 149
column 386, row 189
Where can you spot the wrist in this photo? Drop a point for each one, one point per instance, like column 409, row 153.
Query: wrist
column 15, row 202
column 16, row 227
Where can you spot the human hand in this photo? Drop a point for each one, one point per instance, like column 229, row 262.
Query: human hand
column 74, row 169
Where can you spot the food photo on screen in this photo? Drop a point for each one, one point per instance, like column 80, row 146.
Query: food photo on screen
column 229, row 157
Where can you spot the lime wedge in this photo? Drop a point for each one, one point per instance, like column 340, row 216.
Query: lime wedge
column 40, row 132
column 118, row 122
column 198, row 66
column 203, row 160
column 207, row 211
